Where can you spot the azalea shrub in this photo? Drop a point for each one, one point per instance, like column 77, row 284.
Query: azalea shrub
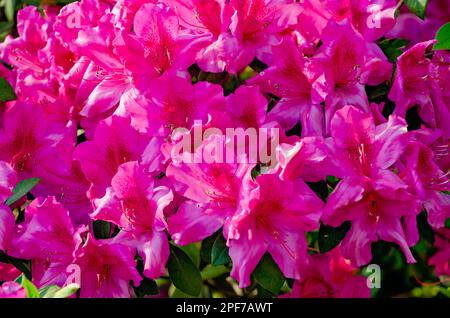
column 119, row 175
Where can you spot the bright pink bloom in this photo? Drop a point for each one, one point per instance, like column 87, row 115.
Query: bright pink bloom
column 206, row 24
column 290, row 79
column 213, row 190
column 441, row 259
column 12, row 290
column 106, row 269
column 174, row 103
column 380, row 208
column 371, row 18
column 8, row 180
column 344, row 64
column 423, row 82
column 359, row 148
column 302, row 159
column 256, row 25
column 115, row 142
column 272, row 218
column 8, row 272
column 47, row 238
column 410, row 27
column 136, row 206
column 428, row 182
column 330, row 276
column 154, row 48
column 29, row 140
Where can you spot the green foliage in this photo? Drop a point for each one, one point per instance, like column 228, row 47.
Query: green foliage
column 102, row 229
column 21, row 189
column 31, row 290
column 392, row 48
column 219, row 251
column 183, row 272
column 330, row 237
column 418, row 7
column 443, row 38
column 6, row 91
column 268, row 275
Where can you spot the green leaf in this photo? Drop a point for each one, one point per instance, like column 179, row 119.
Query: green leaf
column 183, row 272
column 443, row 38
column 10, row 9
column 48, row 291
column 31, row 290
column 67, row 291
column 330, row 237
column 393, row 48
column 21, row 189
column 219, row 251
column 268, row 274
column 210, row 271
column 102, row 229
column 205, row 251
column 418, row 7
column 193, row 252
column 6, row 91
column 147, row 287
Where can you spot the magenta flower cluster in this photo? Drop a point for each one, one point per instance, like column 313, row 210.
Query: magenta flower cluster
column 102, row 86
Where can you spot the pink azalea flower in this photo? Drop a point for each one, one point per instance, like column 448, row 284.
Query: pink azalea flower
column 272, row 218
column 410, row 27
column 359, row 148
column 8, row 180
column 206, row 24
column 290, row 79
column 428, row 182
column 106, row 269
column 6, row 227
column 136, row 206
column 330, row 276
column 344, row 64
column 212, row 189
column 28, row 140
column 47, row 238
column 115, row 142
column 440, row 260
column 8, row 272
column 255, row 25
column 69, row 186
column 154, row 48
column 371, row 18
column 22, row 52
column 423, row 82
column 378, row 208
column 304, row 159
column 175, row 103
column 12, row 290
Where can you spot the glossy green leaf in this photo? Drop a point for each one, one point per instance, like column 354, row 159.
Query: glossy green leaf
column 147, row 287
column 443, row 38
column 102, row 229
column 67, row 291
column 210, row 271
column 21, row 189
column 392, row 48
column 183, row 272
column 268, row 274
column 10, row 9
column 330, row 237
column 193, row 251
column 31, row 290
column 219, row 251
column 6, row 91
column 418, row 7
